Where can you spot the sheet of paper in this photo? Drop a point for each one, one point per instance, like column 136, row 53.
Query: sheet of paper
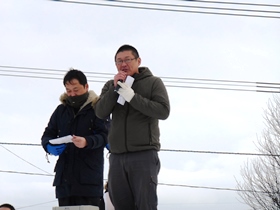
column 62, row 140
column 129, row 81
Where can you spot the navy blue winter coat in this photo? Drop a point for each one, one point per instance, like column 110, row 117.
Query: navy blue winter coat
column 79, row 171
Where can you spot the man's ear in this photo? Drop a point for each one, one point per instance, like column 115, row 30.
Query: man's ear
column 139, row 61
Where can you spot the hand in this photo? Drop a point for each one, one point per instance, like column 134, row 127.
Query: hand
column 125, row 91
column 121, row 75
column 56, row 149
column 79, row 141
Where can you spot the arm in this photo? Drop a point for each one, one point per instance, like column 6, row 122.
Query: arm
column 107, row 100
column 157, row 106
column 50, row 132
column 99, row 137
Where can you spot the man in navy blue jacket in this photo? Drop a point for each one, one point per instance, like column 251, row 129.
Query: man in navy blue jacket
column 79, row 168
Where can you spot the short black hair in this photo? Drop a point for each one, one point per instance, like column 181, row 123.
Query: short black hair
column 6, row 205
column 127, row 47
column 75, row 74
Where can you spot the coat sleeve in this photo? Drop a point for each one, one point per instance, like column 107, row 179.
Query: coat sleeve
column 107, row 100
column 51, row 130
column 100, row 133
column 157, row 106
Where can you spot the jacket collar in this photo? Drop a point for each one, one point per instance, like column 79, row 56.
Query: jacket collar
column 92, row 98
column 143, row 73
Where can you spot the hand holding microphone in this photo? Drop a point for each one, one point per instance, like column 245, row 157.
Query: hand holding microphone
column 119, row 77
column 118, row 86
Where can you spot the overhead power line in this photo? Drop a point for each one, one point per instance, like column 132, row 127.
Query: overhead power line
column 210, row 188
column 194, row 9
column 26, row 173
column 48, row 174
column 266, row 90
column 218, row 153
column 38, row 204
column 24, row 159
column 177, row 82
column 170, row 150
column 237, row 3
column 164, row 184
column 200, row 7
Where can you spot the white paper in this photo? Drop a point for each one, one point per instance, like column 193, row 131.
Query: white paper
column 128, row 81
column 62, row 140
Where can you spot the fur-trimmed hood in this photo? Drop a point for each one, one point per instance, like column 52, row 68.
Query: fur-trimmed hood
column 92, row 98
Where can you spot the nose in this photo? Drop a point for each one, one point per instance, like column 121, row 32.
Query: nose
column 71, row 94
column 124, row 63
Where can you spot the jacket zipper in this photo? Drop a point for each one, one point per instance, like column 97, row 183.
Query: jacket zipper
column 125, row 128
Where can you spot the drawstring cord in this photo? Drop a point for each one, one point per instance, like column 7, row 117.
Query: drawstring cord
column 47, row 157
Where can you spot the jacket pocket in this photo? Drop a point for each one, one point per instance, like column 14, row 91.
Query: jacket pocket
column 90, row 172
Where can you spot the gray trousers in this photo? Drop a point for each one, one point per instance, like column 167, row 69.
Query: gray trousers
column 132, row 180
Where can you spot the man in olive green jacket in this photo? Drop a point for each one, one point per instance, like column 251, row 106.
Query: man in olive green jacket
column 134, row 133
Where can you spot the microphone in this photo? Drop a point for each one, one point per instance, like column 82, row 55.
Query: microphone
column 118, row 87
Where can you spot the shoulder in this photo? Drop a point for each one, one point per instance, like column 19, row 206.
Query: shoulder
column 62, row 98
column 61, row 108
column 93, row 97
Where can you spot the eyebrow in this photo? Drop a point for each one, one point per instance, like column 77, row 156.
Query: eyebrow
column 75, row 88
column 126, row 57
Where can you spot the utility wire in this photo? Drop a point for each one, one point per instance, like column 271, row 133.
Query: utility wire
column 167, row 85
column 38, row 204
column 45, row 73
column 25, row 173
column 197, row 7
column 24, row 159
column 170, row 10
column 170, row 150
column 164, row 184
column 63, row 71
column 167, row 79
column 237, row 3
column 174, row 185
column 110, row 75
column 21, row 144
column 225, row 81
column 216, row 152
column 46, row 69
column 210, row 188
column 42, row 73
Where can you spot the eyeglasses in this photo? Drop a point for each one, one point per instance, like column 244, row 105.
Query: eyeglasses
column 120, row 62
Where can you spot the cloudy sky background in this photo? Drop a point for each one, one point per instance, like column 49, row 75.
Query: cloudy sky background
column 56, row 35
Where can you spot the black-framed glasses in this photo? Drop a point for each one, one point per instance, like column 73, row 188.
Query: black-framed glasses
column 128, row 60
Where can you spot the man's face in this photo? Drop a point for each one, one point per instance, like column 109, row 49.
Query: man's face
column 125, row 61
column 4, row 208
column 74, row 88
